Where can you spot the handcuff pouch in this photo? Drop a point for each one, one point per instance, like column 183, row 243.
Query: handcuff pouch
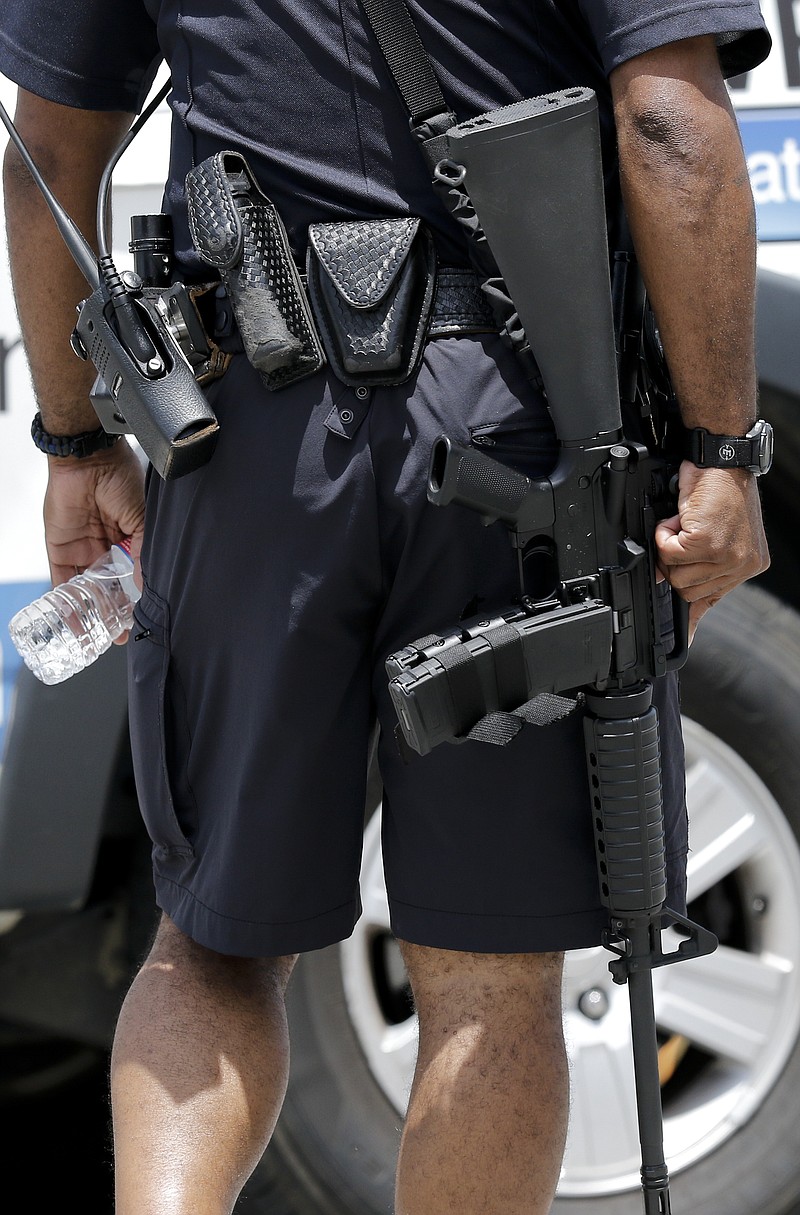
column 371, row 286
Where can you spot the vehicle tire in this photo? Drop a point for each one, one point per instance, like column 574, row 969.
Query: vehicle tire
column 732, row 1106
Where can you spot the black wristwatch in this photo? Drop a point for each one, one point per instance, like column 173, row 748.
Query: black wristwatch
column 752, row 451
column 84, row 444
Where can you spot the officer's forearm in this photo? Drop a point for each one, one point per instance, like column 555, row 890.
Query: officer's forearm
column 71, row 148
column 691, row 212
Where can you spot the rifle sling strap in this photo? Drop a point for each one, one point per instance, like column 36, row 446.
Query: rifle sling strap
column 413, row 74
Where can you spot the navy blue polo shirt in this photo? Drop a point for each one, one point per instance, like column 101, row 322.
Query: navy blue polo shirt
column 303, row 92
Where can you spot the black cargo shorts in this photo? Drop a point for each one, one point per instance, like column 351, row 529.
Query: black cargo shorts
column 277, row 579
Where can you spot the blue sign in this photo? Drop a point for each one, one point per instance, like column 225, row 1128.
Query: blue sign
column 772, row 145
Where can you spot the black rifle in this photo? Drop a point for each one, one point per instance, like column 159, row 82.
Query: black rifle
column 528, row 179
column 145, row 343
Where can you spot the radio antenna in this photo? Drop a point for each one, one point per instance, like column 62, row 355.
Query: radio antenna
column 104, row 191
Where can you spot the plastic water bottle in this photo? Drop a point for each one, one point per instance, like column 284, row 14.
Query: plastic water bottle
column 66, row 629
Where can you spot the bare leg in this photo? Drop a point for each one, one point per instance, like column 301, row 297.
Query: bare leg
column 198, row 1075
column 488, row 1113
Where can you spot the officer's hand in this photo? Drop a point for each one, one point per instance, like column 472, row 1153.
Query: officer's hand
column 91, row 504
column 717, row 538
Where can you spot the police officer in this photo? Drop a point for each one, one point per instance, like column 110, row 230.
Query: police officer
column 279, row 576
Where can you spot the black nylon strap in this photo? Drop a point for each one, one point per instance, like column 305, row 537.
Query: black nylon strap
column 509, row 663
column 463, row 681
column 543, row 710
column 407, row 58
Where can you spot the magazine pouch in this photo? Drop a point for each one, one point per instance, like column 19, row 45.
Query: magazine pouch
column 371, row 285
column 236, row 229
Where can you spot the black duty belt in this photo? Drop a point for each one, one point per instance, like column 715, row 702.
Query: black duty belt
column 459, row 306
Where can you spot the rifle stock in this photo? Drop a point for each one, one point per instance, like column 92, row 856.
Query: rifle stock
column 534, row 175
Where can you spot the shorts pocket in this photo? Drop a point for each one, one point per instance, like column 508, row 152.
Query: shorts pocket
column 528, row 445
column 148, row 671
